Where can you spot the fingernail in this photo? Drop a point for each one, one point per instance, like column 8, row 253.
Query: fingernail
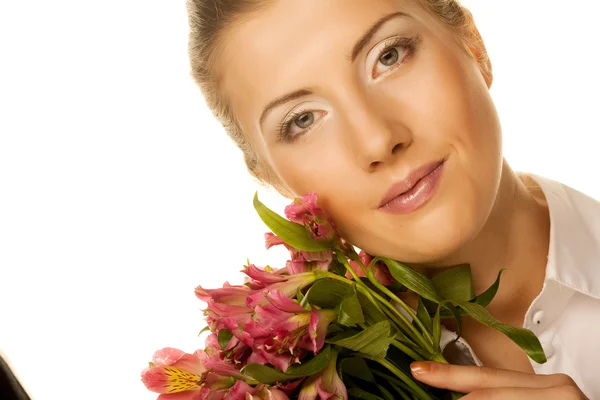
column 420, row 367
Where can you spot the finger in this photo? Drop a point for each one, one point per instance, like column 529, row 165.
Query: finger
column 467, row 378
column 553, row 393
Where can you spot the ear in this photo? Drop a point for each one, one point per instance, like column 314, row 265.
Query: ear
column 476, row 47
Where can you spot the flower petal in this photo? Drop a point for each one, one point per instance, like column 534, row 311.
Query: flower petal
column 262, row 275
column 231, row 295
column 317, row 329
column 168, row 379
column 284, row 303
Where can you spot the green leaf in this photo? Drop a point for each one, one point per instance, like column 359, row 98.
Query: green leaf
column 357, row 367
column 269, row 375
column 349, row 312
column 293, row 234
column 358, row 393
column 337, row 267
column 423, row 315
column 455, row 283
column 524, row 338
column 485, row 298
column 299, row 295
column 437, row 331
column 456, row 314
column 316, row 364
column 371, row 313
column 206, row 328
column 224, row 337
column 413, row 280
column 373, row 341
column 327, row 293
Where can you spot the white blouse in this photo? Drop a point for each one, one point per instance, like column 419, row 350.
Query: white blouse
column 565, row 316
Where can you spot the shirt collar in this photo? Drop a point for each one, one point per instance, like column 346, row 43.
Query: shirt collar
column 574, row 251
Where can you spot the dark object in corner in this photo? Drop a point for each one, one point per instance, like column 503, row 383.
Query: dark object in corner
column 10, row 388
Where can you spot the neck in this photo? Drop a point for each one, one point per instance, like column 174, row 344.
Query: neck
column 516, row 238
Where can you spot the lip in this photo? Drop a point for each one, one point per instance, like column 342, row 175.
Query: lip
column 413, row 191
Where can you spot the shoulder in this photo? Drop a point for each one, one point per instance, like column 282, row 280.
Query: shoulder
column 567, row 202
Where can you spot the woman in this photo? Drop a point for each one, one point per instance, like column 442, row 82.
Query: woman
column 382, row 107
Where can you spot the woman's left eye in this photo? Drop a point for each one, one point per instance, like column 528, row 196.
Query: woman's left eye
column 394, row 54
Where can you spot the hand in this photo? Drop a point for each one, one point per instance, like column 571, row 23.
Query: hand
column 496, row 384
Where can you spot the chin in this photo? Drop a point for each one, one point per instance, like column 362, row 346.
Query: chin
column 435, row 239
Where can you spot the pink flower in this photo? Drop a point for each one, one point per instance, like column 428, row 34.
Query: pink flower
column 228, row 294
column 242, row 391
column 313, row 322
column 288, row 285
column 182, row 376
column 306, row 262
column 301, row 261
column 304, row 211
column 382, row 273
column 325, row 385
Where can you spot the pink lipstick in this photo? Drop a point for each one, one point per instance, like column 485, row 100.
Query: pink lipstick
column 415, row 190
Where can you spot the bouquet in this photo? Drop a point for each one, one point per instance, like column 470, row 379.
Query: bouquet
column 328, row 325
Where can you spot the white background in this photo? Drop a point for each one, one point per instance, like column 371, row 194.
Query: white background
column 119, row 193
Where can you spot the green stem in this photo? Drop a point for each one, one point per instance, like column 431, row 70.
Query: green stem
column 427, row 342
column 398, row 318
column 438, row 357
column 401, row 392
column 399, row 386
column 416, row 335
column 407, row 380
column 407, row 350
column 370, row 273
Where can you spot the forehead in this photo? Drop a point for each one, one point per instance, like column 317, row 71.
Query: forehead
column 294, row 44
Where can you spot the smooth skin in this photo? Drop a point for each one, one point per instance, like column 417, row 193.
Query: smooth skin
column 363, row 117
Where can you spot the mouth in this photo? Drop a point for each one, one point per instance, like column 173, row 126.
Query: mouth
column 413, row 191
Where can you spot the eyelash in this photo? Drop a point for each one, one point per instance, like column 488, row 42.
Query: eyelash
column 409, row 43
column 284, row 127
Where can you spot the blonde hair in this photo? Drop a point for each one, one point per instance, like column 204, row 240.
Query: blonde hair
column 208, row 19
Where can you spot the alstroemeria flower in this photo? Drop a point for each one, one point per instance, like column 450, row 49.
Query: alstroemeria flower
column 293, row 331
column 242, row 391
column 228, row 294
column 326, row 385
column 263, row 392
column 288, row 285
column 190, row 376
column 301, row 261
column 304, row 211
column 382, row 273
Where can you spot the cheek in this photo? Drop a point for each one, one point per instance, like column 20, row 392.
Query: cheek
column 318, row 164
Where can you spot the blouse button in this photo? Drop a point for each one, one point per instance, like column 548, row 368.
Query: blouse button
column 538, row 317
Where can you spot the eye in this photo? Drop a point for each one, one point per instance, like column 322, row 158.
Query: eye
column 395, row 53
column 297, row 123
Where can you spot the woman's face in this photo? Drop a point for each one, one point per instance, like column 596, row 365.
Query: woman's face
column 359, row 111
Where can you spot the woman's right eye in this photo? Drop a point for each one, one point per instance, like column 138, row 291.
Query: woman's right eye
column 296, row 124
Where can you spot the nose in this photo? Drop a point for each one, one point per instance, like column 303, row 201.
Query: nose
column 377, row 135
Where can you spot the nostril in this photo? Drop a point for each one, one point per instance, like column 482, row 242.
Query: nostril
column 373, row 166
column 396, row 148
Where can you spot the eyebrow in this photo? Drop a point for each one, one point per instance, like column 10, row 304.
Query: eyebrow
column 358, row 47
